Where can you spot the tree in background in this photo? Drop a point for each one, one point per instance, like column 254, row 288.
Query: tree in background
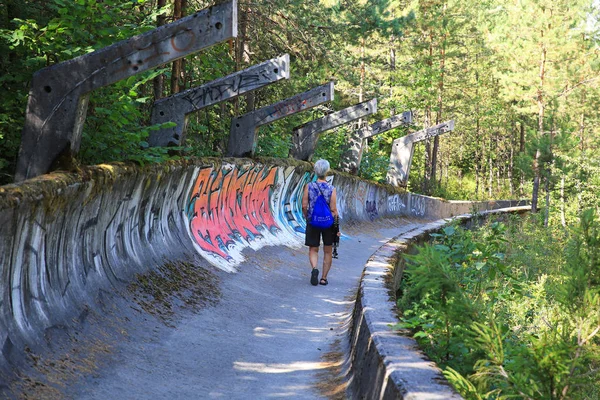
column 521, row 86
column 541, row 53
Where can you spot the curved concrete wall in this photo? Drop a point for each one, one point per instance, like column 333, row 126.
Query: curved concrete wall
column 64, row 238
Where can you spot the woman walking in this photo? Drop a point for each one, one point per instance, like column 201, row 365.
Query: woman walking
column 315, row 234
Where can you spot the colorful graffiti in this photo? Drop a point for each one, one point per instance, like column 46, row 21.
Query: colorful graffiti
column 235, row 207
column 290, row 210
column 231, row 205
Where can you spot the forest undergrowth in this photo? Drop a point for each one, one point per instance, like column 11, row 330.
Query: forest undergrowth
column 510, row 310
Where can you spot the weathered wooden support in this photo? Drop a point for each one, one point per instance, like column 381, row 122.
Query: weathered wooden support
column 178, row 107
column 352, row 157
column 403, row 149
column 242, row 137
column 59, row 94
column 304, row 137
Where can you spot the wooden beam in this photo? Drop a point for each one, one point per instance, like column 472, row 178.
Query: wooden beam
column 403, row 149
column 242, row 137
column 304, row 137
column 178, row 107
column 352, row 157
column 59, row 94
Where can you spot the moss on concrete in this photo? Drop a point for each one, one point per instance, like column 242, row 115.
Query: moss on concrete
column 53, row 185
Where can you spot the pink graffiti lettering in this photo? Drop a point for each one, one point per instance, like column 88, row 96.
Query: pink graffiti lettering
column 229, row 205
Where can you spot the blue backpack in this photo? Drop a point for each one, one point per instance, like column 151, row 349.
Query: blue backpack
column 321, row 215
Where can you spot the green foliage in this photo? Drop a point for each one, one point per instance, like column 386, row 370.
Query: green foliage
column 208, row 132
column 442, row 60
column 508, row 311
column 456, row 187
column 331, row 145
column 363, row 18
column 271, row 144
column 375, row 161
column 42, row 35
column 449, row 277
column 114, row 129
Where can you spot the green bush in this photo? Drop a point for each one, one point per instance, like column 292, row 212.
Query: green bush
column 509, row 310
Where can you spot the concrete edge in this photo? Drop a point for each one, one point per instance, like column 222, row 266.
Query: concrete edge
column 386, row 364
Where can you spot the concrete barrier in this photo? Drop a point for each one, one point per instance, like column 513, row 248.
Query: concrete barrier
column 387, row 364
column 65, row 239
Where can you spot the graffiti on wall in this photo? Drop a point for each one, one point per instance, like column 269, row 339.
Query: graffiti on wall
column 395, row 204
column 230, row 206
column 290, row 203
column 233, row 207
column 342, row 202
column 371, row 204
column 418, row 206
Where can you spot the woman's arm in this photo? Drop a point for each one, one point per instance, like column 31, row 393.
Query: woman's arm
column 305, row 202
column 333, row 203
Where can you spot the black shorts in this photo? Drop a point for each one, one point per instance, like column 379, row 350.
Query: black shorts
column 313, row 236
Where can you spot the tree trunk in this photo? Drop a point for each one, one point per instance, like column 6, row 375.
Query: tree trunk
column 536, row 182
column 563, row 220
column 498, row 162
column 447, row 171
column 176, row 68
column 521, row 150
column 440, row 104
column 158, row 83
column 428, row 123
column 549, row 176
column 547, row 189
column 434, row 160
column 477, row 171
column 440, row 169
column 541, row 108
column 361, row 93
column 581, row 155
column 491, row 171
column 511, row 161
column 427, row 169
column 478, row 156
column 499, row 185
column 361, row 86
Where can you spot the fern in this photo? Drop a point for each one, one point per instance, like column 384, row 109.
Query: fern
column 509, row 311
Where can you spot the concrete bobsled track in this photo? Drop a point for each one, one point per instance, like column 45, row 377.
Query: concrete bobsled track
column 89, row 260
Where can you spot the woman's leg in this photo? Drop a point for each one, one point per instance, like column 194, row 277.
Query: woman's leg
column 326, row 260
column 313, row 256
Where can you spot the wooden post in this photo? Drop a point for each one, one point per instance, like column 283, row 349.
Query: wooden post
column 403, row 149
column 242, row 139
column 352, row 157
column 59, row 94
column 178, row 107
column 304, row 137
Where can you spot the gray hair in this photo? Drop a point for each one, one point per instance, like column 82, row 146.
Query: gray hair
column 321, row 168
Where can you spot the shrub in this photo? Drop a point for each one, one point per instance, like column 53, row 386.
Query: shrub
column 509, row 310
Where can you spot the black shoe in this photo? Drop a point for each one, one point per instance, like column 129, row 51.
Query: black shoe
column 314, row 277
